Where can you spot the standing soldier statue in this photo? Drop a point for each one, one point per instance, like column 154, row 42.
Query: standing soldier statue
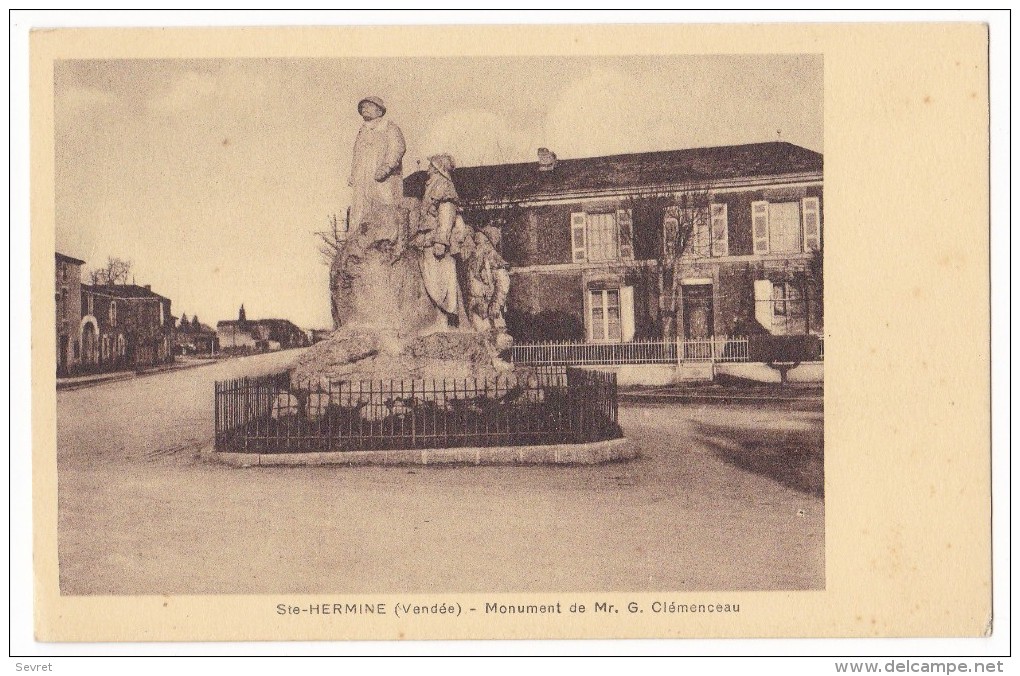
column 376, row 174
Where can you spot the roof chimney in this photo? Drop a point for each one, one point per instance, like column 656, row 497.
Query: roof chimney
column 546, row 159
column 148, row 287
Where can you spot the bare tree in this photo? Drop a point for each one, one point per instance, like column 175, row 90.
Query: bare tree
column 333, row 239
column 681, row 220
column 116, row 271
column 332, row 243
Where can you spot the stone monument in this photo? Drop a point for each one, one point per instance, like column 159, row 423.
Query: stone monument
column 416, row 293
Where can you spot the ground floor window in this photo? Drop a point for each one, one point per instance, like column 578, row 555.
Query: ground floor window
column 605, row 315
column 783, row 309
column 611, row 315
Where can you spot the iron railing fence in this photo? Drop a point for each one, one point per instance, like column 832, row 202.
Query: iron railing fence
column 719, row 348
column 272, row 414
column 763, row 348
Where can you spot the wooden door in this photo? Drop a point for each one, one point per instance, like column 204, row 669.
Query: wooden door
column 698, row 311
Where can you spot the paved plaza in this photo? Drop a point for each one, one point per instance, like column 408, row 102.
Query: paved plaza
column 724, row 497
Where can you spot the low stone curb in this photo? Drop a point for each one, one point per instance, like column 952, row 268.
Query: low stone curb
column 117, row 376
column 593, row 453
column 71, row 384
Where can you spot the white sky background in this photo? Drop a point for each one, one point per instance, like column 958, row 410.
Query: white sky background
column 212, row 175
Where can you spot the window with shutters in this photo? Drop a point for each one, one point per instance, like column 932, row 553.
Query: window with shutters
column 781, row 307
column 786, row 227
column 603, row 236
column 789, row 309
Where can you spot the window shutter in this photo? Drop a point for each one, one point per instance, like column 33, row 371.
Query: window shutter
column 760, row 226
column 812, row 226
column 627, row 312
column 626, row 228
column 578, row 237
column 592, row 299
column 763, row 303
column 720, row 230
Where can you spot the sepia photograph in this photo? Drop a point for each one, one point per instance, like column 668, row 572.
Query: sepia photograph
column 531, row 324
column 546, row 332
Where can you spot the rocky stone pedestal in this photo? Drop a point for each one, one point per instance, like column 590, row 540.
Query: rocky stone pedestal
column 381, row 373
column 354, row 355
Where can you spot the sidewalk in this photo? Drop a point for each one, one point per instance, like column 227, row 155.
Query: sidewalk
column 78, row 382
column 801, row 394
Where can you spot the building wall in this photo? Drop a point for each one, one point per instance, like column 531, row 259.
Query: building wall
column 546, row 306
column 112, row 352
column 68, row 314
column 148, row 332
column 136, row 334
column 233, row 338
column 540, row 236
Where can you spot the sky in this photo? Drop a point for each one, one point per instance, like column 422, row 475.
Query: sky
column 213, row 175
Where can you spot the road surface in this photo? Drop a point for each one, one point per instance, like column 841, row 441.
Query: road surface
column 723, row 498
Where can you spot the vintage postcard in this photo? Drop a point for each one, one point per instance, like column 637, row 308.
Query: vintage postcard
column 511, row 332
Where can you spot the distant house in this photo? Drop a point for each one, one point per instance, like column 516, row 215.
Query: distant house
column 69, row 323
column 194, row 337
column 284, row 332
column 108, row 327
column 583, row 237
column 125, row 326
column 258, row 335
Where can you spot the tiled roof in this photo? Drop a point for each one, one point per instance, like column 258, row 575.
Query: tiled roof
column 123, row 290
column 68, row 259
column 699, row 166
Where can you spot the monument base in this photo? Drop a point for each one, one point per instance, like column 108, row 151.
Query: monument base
column 367, row 355
column 593, row 453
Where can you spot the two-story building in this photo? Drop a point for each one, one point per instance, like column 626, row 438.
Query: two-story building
column 124, row 326
column 108, row 327
column 68, row 303
column 584, row 238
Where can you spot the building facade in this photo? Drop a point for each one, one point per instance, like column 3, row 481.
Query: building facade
column 585, row 239
column 69, row 315
column 259, row 335
column 195, row 338
column 125, row 326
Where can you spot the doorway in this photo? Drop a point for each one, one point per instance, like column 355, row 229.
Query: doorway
column 63, row 344
column 698, row 311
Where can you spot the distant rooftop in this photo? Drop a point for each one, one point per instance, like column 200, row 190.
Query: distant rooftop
column 68, row 259
column 698, row 166
column 124, row 290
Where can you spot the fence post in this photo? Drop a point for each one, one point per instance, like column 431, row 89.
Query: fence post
column 679, row 351
column 715, row 355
